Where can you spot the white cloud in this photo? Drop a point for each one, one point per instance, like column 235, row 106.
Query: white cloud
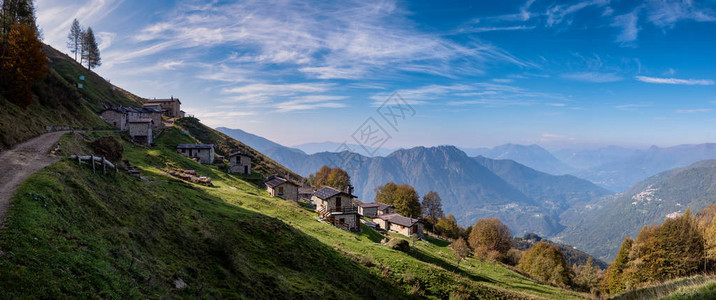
column 675, row 80
column 596, row 77
column 556, row 14
column 628, row 24
column 631, row 106
column 311, row 102
column 692, row 111
column 55, row 20
column 346, row 40
column 485, row 93
column 666, row 13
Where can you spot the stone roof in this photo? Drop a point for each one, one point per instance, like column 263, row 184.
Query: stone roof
column 127, row 109
column 164, row 100
column 141, row 121
column 398, row 219
column 275, row 181
column 195, row 146
column 302, row 190
column 239, row 153
column 328, row 192
column 380, row 206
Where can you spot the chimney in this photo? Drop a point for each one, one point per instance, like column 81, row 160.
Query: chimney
column 349, row 190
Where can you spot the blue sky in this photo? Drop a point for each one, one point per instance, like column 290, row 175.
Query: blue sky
column 476, row 73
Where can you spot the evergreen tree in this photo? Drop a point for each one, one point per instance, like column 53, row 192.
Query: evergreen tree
column 17, row 11
column 74, row 38
column 91, row 50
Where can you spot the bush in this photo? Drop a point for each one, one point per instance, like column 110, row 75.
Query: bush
column 546, row 262
column 399, row 244
column 108, row 147
column 512, row 257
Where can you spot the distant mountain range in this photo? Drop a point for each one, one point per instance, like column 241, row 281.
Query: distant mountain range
column 532, row 156
column 471, row 188
column 313, row 148
column 600, row 226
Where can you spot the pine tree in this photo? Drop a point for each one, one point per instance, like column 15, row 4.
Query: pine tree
column 74, row 38
column 91, row 50
column 20, row 11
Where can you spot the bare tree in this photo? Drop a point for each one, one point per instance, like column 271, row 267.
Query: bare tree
column 74, row 38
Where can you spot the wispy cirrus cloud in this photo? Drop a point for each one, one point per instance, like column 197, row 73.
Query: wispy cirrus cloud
column 558, row 13
column 59, row 18
column 311, row 102
column 631, row 106
column 666, row 13
column 484, row 93
column 674, row 80
column 693, row 111
column 628, row 26
column 596, row 77
column 347, row 40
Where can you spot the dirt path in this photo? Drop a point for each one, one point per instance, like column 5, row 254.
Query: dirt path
column 21, row 161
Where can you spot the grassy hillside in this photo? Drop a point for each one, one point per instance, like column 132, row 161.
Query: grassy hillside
column 58, row 101
column 87, row 235
column 225, row 145
column 695, row 287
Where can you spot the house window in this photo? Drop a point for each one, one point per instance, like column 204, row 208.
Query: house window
column 342, row 220
column 338, row 201
column 280, row 190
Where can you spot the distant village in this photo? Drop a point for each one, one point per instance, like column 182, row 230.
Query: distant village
column 334, row 206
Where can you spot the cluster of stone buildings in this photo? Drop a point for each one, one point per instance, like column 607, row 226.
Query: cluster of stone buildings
column 142, row 122
column 339, row 208
column 239, row 162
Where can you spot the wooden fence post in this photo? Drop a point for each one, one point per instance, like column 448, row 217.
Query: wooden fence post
column 104, row 167
column 92, row 158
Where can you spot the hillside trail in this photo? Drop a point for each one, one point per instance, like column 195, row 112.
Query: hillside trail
column 21, row 161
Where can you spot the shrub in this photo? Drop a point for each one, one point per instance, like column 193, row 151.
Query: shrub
column 399, row 244
column 108, row 147
column 546, row 262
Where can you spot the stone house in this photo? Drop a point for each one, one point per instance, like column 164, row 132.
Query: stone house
column 239, row 163
column 375, row 209
column 400, row 224
column 141, row 131
column 305, row 193
column 337, row 207
column 117, row 117
column 281, row 187
column 204, row 153
column 169, row 107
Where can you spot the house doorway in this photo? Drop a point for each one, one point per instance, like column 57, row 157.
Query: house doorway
column 246, row 169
